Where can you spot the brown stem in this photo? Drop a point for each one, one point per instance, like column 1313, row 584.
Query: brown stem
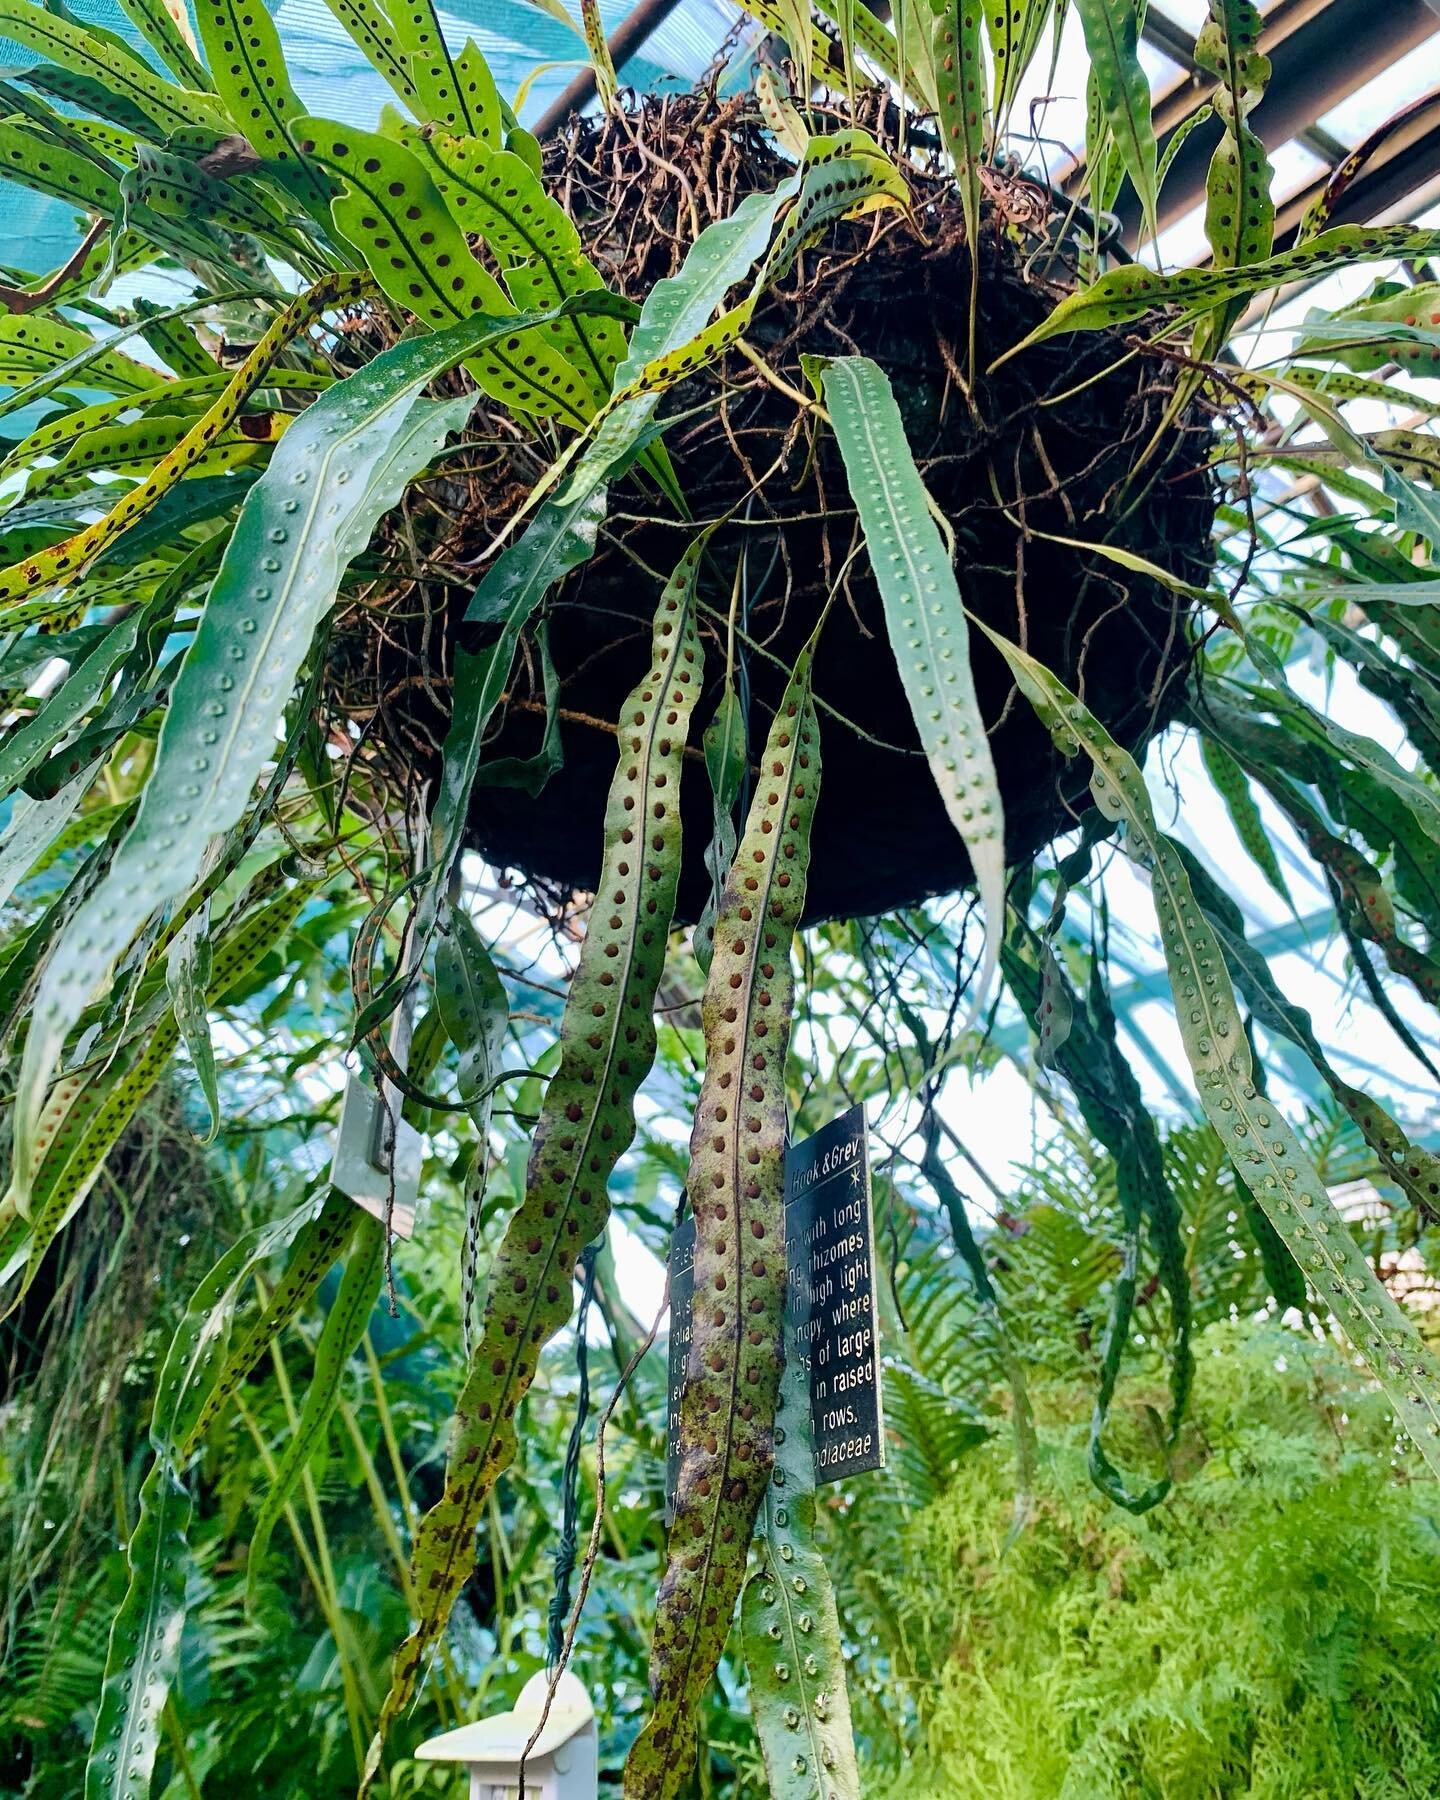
column 25, row 300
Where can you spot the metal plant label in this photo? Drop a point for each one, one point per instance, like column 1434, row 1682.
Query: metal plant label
column 830, row 1294
column 831, row 1318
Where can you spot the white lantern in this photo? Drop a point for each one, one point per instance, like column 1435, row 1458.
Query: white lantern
column 563, row 1764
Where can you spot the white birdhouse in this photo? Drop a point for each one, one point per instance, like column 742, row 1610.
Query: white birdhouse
column 563, row 1764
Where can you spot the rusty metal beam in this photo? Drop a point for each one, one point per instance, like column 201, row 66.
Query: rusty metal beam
column 624, row 41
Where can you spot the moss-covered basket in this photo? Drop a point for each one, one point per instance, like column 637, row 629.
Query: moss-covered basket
column 1046, row 449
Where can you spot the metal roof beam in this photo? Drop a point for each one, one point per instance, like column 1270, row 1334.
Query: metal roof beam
column 624, row 41
column 1398, row 179
column 1322, row 51
column 1165, row 35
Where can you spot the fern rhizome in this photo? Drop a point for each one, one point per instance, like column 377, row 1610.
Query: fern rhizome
column 1039, row 452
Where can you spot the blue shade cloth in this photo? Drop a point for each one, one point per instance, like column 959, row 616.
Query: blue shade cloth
column 333, row 78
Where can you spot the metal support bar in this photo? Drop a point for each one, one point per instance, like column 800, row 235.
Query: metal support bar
column 1406, row 163
column 1322, row 51
column 624, row 41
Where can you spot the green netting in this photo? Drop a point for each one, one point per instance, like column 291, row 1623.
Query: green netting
column 333, row 78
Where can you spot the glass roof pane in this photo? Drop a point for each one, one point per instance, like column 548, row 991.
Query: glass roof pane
column 685, row 44
column 1161, row 70
column 1049, row 113
column 1405, row 80
column 1054, row 109
column 1295, row 166
column 1190, row 14
column 1183, row 242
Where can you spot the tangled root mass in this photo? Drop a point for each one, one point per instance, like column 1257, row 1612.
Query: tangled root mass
column 1044, row 449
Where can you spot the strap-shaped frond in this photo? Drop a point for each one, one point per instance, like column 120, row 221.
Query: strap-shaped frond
column 318, row 1243
column 390, row 208
column 473, row 1010
column 86, row 1112
column 1416, row 1169
column 1402, row 328
column 443, row 90
column 172, row 196
column 1268, row 1155
column 790, row 1626
column 90, row 55
column 336, row 471
column 607, row 1044
column 144, row 1650
column 1239, row 212
column 345, row 1325
column 56, row 169
column 1112, row 33
column 960, row 71
column 67, row 561
column 925, row 619
column 242, row 47
column 736, row 1189
column 31, row 344
column 1132, row 290
column 1110, row 1101
column 372, row 31
column 1014, row 28
column 496, row 194
column 166, row 28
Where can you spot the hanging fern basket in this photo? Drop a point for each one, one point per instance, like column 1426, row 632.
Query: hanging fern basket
column 1023, row 465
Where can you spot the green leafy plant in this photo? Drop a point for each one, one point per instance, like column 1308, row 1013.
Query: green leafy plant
column 1082, row 1651
column 347, row 587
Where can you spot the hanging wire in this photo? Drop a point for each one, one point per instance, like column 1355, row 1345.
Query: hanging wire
column 567, row 1548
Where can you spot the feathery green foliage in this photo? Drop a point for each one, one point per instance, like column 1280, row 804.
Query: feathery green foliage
column 288, row 569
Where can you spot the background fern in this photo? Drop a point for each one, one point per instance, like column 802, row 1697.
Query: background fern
column 1268, row 1632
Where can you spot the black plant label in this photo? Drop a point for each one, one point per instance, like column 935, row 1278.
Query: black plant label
column 831, row 1317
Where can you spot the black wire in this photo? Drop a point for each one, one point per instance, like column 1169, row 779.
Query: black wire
column 567, row 1547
